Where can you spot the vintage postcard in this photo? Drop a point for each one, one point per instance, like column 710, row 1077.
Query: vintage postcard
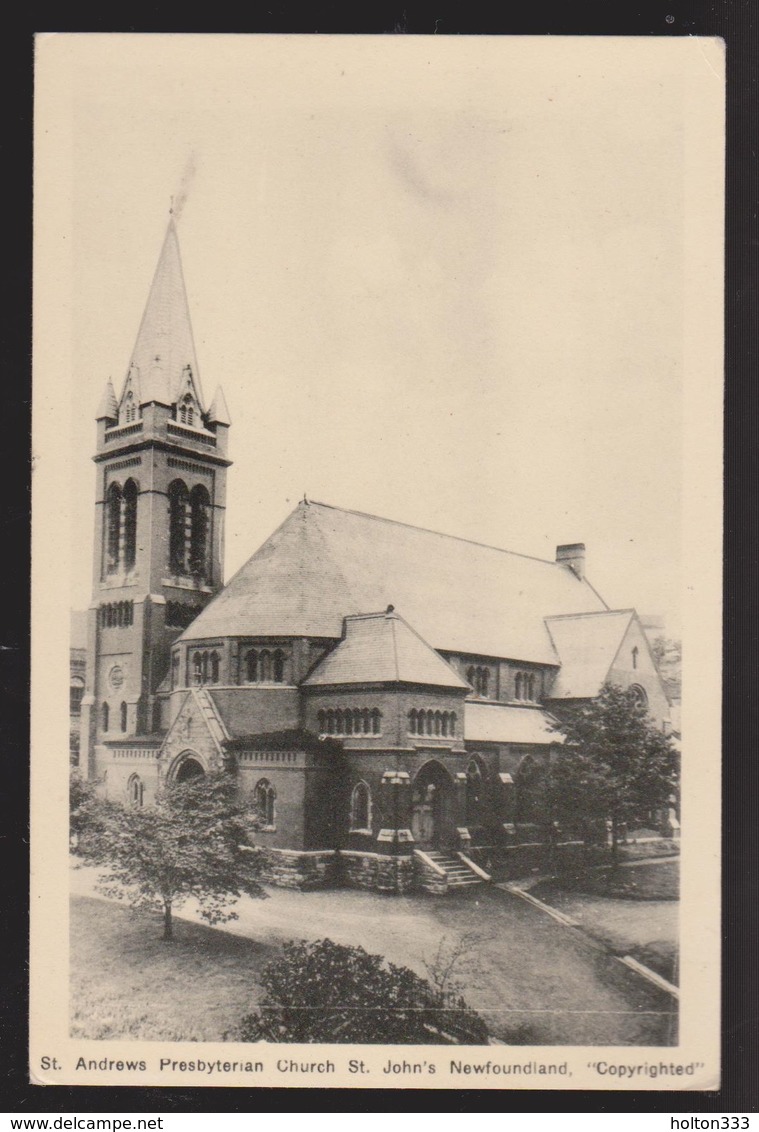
column 377, row 532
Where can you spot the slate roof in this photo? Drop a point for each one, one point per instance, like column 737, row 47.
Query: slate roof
column 587, row 646
column 383, row 648
column 165, row 331
column 324, row 563
column 496, row 723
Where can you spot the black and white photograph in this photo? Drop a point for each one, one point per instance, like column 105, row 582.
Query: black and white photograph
column 377, row 528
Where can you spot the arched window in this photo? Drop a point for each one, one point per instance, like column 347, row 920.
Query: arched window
column 130, row 524
column 135, row 791
column 187, row 410
column 484, row 679
column 123, row 715
column 157, row 716
column 412, row 722
column 348, row 721
column 474, row 792
column 430, row 722
column 635, row 656
column 639, row 697
column 200, row 504
column 444, row 727
column 265, row 796
column 175, row 670
column 104, row 714
column 130, row 408
column 76, row 694
column 322, row 724
column 251, row 666
column 361, row 809
column 113, row 528
column 197, row 668
column 331, row 723
column 453, row 723
column 531, row 687
column 358, row 721
column 530, row 800
column 278, row 667
column 366, row 719
column 264, row 666
column 438, row 723
column 376, row 721
column 471, row 675
column 339, row 722
column 178, row 523
column 214, row 668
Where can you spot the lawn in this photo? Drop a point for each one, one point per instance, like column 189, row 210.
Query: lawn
column 633, row 911
column 127, row 983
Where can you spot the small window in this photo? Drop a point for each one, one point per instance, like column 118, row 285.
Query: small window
column 635, row 657
column 265, row 796
column 104, row 714
column 360, row 817
column 123, row 715
column 135, row 792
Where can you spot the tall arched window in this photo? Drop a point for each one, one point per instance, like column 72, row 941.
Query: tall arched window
column 278, row 666
column 453, row 722
column 200, row 505
column 104, row 714
column 430, row 722
column 531, row 687
column 484, row 680
column 197, row 668
column 123, row 715
column 178, row 521
column 214, row 668
column 130, row 408
column 113, row 528
column 635, row 656
column 376, row 721
column 135, row 791
column 130, row 524
column 265, row 796
column 251, row 666
column 264, row 666
column 474, row 793
column 471, row 675
column 412, row 722
column 187, row 410
column 322, row 722
column 361, row 809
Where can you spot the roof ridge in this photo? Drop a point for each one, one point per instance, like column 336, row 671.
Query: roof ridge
column 429, row 531
column 588, row 613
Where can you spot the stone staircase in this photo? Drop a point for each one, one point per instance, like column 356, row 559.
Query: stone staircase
column 458, row 874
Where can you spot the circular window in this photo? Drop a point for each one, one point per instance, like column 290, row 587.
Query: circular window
column 116, row 677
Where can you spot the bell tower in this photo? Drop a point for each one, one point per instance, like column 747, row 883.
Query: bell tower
column 161, row 464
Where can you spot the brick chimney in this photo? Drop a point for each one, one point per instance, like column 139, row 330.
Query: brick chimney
column 572, row 554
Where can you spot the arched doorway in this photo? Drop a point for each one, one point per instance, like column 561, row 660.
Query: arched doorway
column 432, row 807
column 187, row 768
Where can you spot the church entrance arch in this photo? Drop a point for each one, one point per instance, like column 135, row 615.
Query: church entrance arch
column 186, row 767
column 433, row 807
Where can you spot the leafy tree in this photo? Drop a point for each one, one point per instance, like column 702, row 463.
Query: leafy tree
column 83, row 806
column 615, row 763
column 189, row 844
column 326, row 992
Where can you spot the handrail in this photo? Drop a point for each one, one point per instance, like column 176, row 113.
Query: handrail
column 430, row 863
column 475, row 868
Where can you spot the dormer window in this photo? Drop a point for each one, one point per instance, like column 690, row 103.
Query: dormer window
column 187, row 411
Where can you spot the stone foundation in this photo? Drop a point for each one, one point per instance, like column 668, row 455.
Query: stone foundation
column 376, row 871
column 304, row 870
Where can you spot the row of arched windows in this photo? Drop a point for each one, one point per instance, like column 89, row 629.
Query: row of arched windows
column 442, row 723
column 524, row 686
column 205, row 667
column 479, row 677
column 121, row 527
column 116, row 613
column 350, row 721
column 105, row 716
column 264, row 666
column 189, row 522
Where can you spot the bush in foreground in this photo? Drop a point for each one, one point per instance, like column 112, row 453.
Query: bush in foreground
column 326, row 992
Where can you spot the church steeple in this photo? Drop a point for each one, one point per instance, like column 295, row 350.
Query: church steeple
column 159, row 518
column 164, row 353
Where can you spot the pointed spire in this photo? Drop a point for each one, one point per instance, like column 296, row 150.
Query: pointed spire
column 164, row 346
column 219, row 413
column 108, row 409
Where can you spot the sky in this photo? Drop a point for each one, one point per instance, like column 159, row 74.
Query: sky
column 439, row 280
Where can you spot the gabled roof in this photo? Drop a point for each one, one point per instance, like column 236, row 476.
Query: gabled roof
column 587, row 645
column 383, row 648
column 324, row 563
column 164, row 345
column 497, row 723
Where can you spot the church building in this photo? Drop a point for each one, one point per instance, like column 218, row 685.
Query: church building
column 385, row 695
